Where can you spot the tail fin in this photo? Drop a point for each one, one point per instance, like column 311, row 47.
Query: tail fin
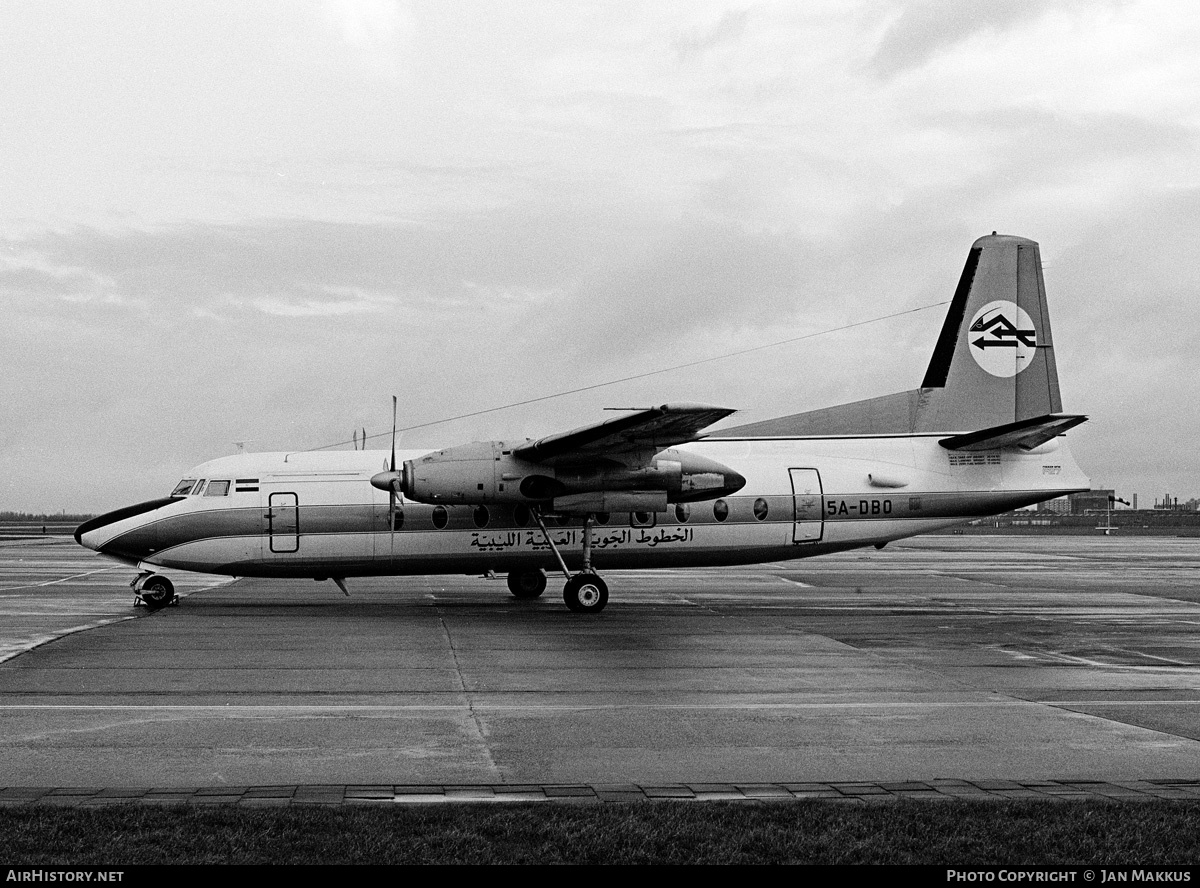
column 994, row 360
column 992, row 368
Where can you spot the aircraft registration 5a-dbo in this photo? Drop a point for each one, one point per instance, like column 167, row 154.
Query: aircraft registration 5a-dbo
column 983, row 434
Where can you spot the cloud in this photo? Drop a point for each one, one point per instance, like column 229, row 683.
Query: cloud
column 330, row 305
column 378, row 32
column 730, row 27
column 926, row 29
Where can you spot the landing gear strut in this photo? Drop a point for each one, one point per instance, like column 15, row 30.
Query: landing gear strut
column 585, row 592
column 152, row 591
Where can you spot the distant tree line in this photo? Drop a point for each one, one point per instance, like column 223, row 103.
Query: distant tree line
column 45, row 518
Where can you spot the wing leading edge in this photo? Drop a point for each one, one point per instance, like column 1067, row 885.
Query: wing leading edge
column 653, row 429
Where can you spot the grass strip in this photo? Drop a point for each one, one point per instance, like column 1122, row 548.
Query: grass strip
column 1008, row 833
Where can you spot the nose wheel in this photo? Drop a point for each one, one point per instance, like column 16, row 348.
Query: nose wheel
column 585, row 593
column 153, row 591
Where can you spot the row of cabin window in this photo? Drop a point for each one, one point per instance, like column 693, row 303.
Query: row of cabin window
column 523, row 517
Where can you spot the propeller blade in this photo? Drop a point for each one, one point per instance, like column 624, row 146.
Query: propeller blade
column 393, row 433
column 392, row 489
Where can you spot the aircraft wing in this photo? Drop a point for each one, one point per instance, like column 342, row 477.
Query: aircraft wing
column 653, row 429
column 1025, row 433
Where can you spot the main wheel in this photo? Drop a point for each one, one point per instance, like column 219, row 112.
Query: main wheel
column 157, row 592
column 527, row 583
column 585, row 593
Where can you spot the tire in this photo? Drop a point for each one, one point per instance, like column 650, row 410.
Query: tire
column 526, row 583
column 157, row 592
column 585, row 593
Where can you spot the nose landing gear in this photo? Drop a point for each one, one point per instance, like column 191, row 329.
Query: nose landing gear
column 152, row 591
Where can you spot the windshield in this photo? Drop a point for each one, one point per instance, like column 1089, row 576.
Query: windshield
column 182, row 488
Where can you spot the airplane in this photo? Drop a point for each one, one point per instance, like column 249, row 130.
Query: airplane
column 982, row 434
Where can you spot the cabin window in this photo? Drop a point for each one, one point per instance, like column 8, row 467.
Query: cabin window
column 521, row 515
column 480, row 516
column 182, row 488
column 682, row 512
column 397, row 518
column 217, row 488
column 601, row 517
column 760, row 509
column 440, row 517
column 720, row 510
column 562, row 520
column 641, row 519
column 199, row 488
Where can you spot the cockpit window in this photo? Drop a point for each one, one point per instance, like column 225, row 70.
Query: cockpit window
column 199, row 488
column 217, row 488
column 182, row 488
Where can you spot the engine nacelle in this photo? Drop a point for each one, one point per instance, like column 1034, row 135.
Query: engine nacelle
column 487, row 472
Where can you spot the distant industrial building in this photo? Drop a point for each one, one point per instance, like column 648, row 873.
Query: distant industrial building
column 1060, row 506
column 1172, row 504
column 1091, row 501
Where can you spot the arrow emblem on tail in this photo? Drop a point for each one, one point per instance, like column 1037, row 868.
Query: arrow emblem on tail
column 1006, row 334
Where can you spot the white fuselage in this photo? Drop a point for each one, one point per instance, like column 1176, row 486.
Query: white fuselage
column 317, row 515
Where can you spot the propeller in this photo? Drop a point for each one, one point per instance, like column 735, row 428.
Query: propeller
column 394, row 489
column 390, row 480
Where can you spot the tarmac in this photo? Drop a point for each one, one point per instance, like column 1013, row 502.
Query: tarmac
column 944, row 667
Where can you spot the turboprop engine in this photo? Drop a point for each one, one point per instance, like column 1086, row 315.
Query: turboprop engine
column 489, row 472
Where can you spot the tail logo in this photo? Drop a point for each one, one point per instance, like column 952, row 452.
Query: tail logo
column 1002, row 337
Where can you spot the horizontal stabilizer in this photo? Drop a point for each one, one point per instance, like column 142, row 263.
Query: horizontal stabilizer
column 1025, row 433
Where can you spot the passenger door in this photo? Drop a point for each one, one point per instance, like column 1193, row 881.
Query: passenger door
column 283, row 523
column 808, row 518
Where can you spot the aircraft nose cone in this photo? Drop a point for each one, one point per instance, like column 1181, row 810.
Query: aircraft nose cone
column 107, row 533
column 90, row 534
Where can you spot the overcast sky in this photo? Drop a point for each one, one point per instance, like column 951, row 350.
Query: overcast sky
column 256, row 222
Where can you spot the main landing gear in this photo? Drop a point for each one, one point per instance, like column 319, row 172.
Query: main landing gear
column 152, row 591
column 585, row 592
column 527, row 583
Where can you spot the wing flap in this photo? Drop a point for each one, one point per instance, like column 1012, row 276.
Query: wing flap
column 1026, row 433
column 655, row 428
